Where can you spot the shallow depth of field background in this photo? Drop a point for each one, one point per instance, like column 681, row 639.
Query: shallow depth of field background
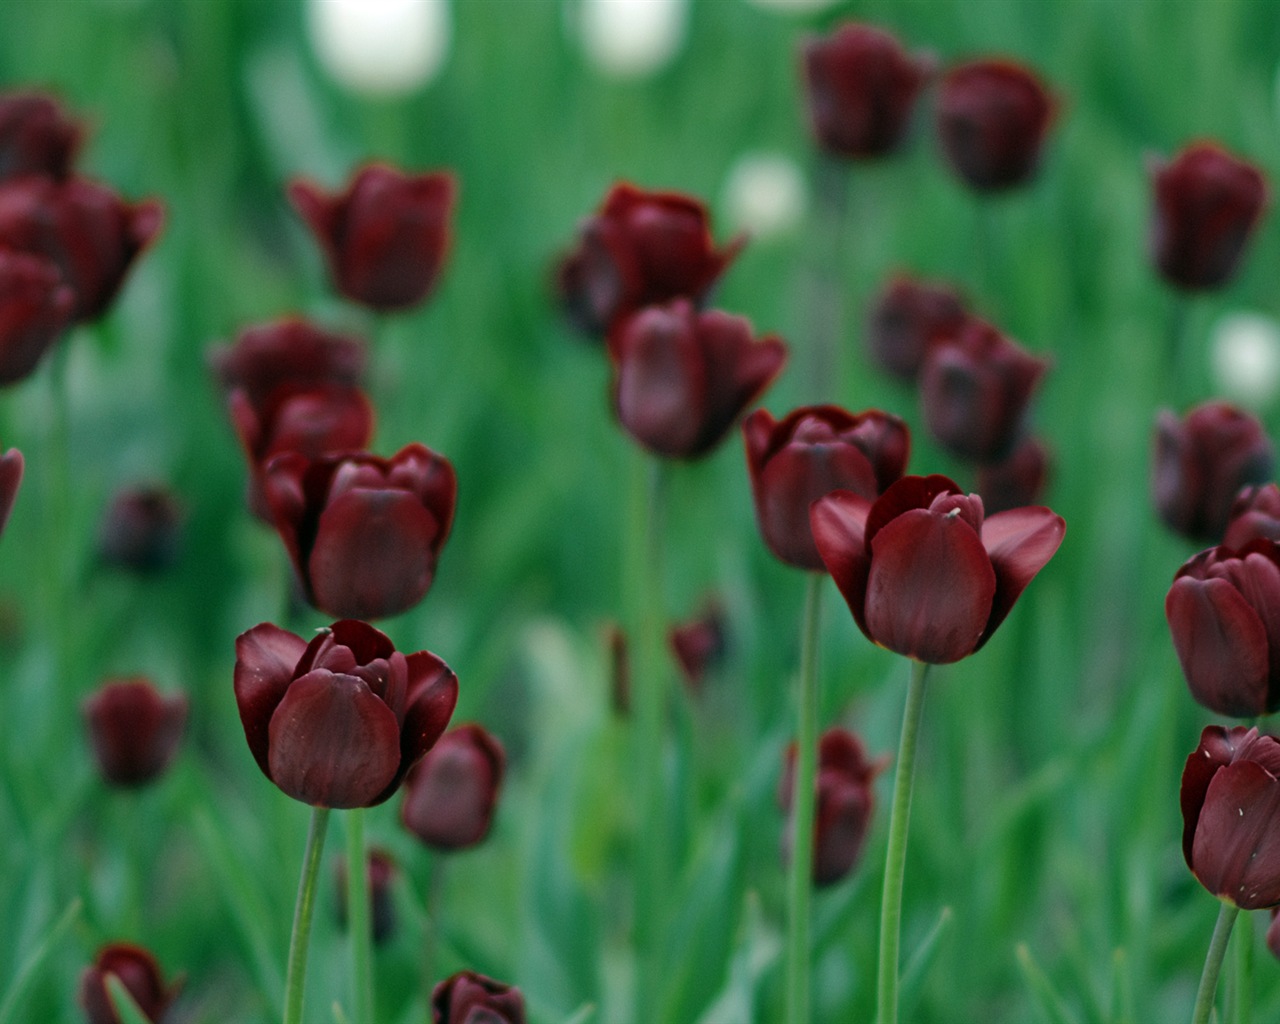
column 1046, row 815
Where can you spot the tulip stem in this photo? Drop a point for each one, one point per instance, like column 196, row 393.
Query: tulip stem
column 295, row 979
column 1227, row 915
column 896, row 856
column 1242, row 981
column 826, row 287
column 803, row 798
column 358, row 918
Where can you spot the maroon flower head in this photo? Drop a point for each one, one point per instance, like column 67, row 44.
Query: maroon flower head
column 141, row 530
column 138, row 973
column 975, row 388
column 640, row 249
column 924, row 571
column 135, row 730
column 311, row 420
column 1231, row 816
column 681, row 378
column 37, row 136
column 862, row 86
column 385, row 237
column 813, row 451
column 470, row 998
column 339, row 721
column 84, row 228
column 908, row 317
column 1207, row 205
column 1018, row 479
column 451, row 795
column 364, row 533
column 1224, row 615
column 35, row 309
column 846, row 800
column 1201, row 462
column 993, row 116
column 1255, row 515
column 699, row 644
column 11, row 467
column 381, row 870
column 290, row 351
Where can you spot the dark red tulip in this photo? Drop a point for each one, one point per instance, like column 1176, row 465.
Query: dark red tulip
column 451, row 795
column 681, row 378
column 37, row 136
column 1207, row 205
column 699, row 644
column 11, row 466
column 142, row 530
column 381, row 869
column 364, row 533
column 385, row 237
column 862, row 86
column 138, row 973
column 924, row 572
column 35, row 310
column 311, row 420
column 470, row 998
column 993, row 116
column 1231, row 816
column 135, row 730
column 1255, row 515
column 908, row 317
column 813, row 451
column 1018, row 479
column 975, row 388
column 1201, row 462
column 292, row 351
column 339, row 721
column 84, row 228
column 640, row 249
column 1224, row 614
column 846, row 800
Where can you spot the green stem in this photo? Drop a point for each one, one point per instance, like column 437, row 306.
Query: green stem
column 1242, row 982
column 1213, row 963
column 803, row 798
column 827, row 289
column 896, row 857
column 296, row 977
column 358, row 918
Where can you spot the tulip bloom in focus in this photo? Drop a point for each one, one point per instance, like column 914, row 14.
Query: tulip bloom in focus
column 1207, row 205
column 681, row 377
column 385, row 237
column 923, row 571
column 138, row 973
column 135, row 730
column 1231, row 816
column 338, row 722
column 451, row 794
column 470, row 998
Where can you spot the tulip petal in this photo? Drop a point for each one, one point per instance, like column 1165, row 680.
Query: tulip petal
column 11, row 468
column 1218, row 747
column 1236, row 849
column 433, row 694
column 1019, row 543
column 266, row 657
column 1257, row 577
column 332, row 742
column 662, row 384
column 905, row 494
column 1221, row 644
column 930, row 587
column 838, row 522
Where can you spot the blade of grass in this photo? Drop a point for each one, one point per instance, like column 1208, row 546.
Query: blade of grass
column 31, row 967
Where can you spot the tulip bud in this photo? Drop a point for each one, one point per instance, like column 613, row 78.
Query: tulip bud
column 908, row 317
column 632, row 38
column 1255, row 515
column 137, row 971
column 135, row 730
column 1231, row 816
column 35, row 310
column 380, row 47
column 451, row 795
column 1207, row 204
column 845, row 802
column 141, row 530
column 619, row 669
column 975, row 388
column 36, row 136
column 993, row 116
column 640, row 249
column 385, row 237
column 289, row 351
column 862, row 86
column 470, row 998
column 381, row 869
column 681, row 378
column 699, row 645
column 812, row 451
column 1017, row 480
column 11, row 466
column 1201, row 461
